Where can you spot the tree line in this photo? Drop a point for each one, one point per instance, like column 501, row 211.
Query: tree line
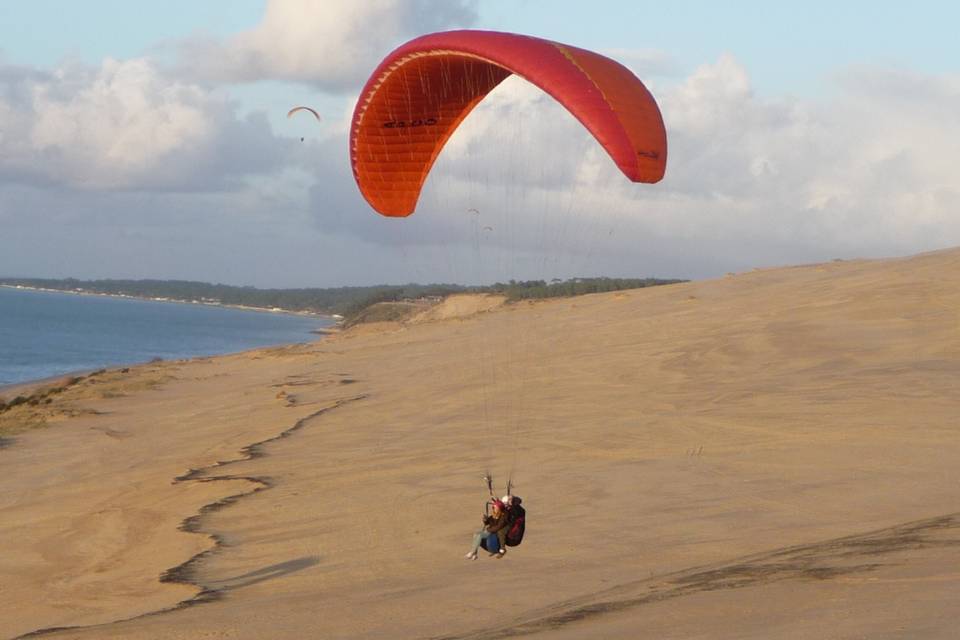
column 572, row 287
column 345, row 301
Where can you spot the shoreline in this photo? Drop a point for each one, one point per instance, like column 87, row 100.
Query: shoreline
column 9, row 390
column 123, row 296
column 28, row 386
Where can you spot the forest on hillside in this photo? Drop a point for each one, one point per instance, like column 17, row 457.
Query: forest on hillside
column 345, row 301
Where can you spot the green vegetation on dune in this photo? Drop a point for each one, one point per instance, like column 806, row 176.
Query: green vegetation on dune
column 384, row 312
column 345, row 301
column 339, row 300
column 572, row 287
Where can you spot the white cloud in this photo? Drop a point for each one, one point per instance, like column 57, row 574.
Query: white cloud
column 121, row 124
column 750, row 180
column 125, row 125
column 330, row 44
column 126, row 159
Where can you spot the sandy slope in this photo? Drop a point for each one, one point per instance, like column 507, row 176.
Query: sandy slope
column 460, row 306
column 771, row 455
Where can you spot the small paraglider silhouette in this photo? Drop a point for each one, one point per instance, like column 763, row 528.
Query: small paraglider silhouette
column 296, row 109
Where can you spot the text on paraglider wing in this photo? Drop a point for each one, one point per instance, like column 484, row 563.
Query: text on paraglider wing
column 421, row 122
column 649, row 154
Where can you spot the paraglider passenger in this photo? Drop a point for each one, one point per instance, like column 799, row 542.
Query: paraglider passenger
column 488, row 536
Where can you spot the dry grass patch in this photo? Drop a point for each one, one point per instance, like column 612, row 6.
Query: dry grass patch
column 64, row 398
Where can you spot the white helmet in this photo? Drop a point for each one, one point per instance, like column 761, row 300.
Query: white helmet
column 506, row 500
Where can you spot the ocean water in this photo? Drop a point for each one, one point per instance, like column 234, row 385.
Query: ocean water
column 44, row 334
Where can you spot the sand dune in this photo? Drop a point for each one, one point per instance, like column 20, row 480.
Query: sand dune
column 767, row 455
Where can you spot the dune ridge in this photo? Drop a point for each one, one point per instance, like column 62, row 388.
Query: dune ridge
column 769, row 454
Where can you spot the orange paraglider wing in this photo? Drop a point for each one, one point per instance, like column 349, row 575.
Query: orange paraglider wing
column 423, row 90
column 295, row 109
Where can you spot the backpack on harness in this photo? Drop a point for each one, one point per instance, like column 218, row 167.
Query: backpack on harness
column 516, row 523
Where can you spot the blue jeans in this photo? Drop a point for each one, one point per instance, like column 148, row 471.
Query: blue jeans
column 487, row 540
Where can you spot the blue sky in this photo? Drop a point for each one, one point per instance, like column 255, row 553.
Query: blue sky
column 133, row 135
column 43, row 32
column 788, row 47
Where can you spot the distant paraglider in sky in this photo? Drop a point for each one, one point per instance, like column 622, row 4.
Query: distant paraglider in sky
column 308, row 110
column 296, row 109
column 420, row 93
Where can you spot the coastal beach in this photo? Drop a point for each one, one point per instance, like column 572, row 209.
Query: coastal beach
column 771, row 454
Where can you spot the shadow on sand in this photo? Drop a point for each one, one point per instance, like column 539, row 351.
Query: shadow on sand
column 816, row 561
column 267, row 573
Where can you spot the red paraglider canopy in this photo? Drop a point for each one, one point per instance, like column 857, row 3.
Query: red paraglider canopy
column 423, row 90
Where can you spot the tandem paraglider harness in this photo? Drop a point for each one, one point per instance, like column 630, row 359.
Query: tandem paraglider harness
column 516, row 522
column 516, row 514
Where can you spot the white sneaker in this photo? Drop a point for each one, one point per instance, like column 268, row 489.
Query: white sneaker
column 471, row 556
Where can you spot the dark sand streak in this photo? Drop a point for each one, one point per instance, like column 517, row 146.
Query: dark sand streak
column 185, row 573
column 816, row 561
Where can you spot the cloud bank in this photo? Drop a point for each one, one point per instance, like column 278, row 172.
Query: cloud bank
column 125, row 125
column 135, row 169
column 329, row 44
column 750, row 180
